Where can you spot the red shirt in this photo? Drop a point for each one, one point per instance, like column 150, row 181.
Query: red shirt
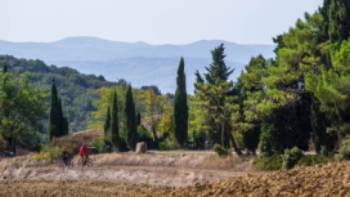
column 83, row 150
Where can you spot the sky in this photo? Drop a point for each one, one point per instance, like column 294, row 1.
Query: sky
column 151, row 21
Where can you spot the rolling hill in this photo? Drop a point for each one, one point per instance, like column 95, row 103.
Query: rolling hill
column 139, row 62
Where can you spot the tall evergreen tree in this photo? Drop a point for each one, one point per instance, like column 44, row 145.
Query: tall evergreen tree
column 131, row 122
column 54, row 114
column 58, row 124
column 218, row 71
column 107, row 125
column 115, row 122
column 138, row 119
column 180, row 106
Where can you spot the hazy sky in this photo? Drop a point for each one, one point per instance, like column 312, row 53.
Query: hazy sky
column 153, row 21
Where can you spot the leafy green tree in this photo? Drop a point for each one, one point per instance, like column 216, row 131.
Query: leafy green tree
column 115, row 121
column 181, row 107
column 22, row 110
column 131, row 121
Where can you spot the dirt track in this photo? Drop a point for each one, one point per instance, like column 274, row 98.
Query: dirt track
column 159, row 169
column 329, row 180
column 165, row 176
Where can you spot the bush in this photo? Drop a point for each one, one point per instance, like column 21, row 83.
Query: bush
column 220, row 150
column 270, row 163
column 99, row 144
column 50, row 154
column 344, row 151
column 167, row 145
column 291, row 157
column 311, row 160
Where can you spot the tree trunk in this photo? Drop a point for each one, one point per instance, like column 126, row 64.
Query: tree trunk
column 234, row 145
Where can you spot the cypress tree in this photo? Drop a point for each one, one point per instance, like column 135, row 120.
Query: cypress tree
column 131, row 122
column 138, row 119
column 180, row 106
column 58, row 124
column 53, row 116
column 115, row 121
column 107, row 125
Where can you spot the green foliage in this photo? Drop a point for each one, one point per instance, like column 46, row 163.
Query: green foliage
column 198, row 140
column 311, row 160
column 291, row 157
column 58, row 124
column 49, row 154
column 220, row 150
column 115, row 123
column 270, row 163
column 181, row 107
column 344, row 150
column 22, row 112
column 107, row 125
column 131, row 121
column 218, row 71
column 337, row 19
column 76, row 89
column 100, row 145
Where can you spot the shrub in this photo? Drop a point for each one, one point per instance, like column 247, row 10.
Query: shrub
column 344, row 151
column 220, row 150
column 311, row 160
column 270, row 163
column 50, row 154
column 99, row 144
column 291, row 157
column 167, row 145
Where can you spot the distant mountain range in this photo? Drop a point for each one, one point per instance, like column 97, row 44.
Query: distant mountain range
column 139, row 63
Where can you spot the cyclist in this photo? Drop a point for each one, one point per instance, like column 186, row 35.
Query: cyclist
column 84, row 154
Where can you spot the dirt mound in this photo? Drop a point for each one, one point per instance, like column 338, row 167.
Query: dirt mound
column 72, row 142
column 329, row 180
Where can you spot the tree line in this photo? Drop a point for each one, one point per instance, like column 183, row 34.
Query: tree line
column 300, row 98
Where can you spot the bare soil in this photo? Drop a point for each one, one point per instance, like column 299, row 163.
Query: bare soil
column 140, row 175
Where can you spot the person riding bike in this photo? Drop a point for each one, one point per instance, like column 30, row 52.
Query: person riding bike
column 66, row 158
column 84, row 154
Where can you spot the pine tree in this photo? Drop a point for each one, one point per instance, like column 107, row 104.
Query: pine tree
column 131, row 122
column 218, row 71
column 115, row 121
column 336, row 14
column 180, row 106
column 107, row 125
